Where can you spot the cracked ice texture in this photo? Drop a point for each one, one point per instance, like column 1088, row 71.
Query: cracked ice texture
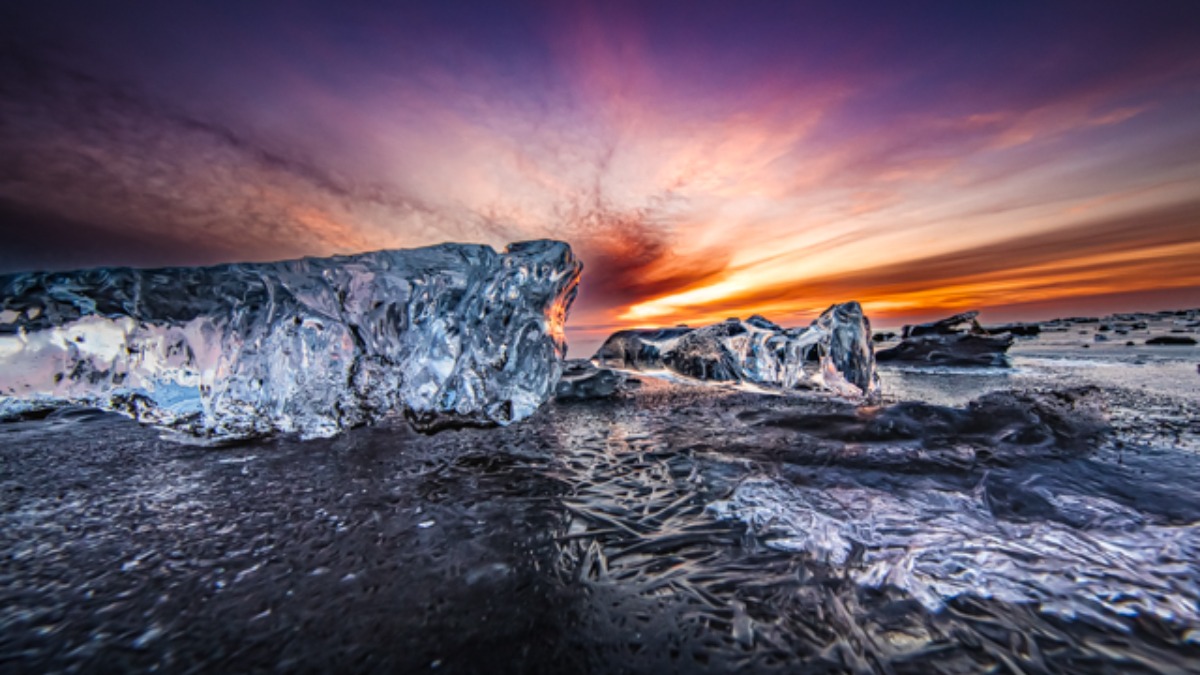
column 450, row 334
column 939, row 544
column 835, row 352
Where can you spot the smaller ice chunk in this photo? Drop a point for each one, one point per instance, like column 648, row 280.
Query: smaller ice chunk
column 835, row 352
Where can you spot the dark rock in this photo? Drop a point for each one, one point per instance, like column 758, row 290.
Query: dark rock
column 1018, row 329
column 1171, row 340
column 1005, row 426
column 759, row 321
column 953, row 325
column 581, row 380
column 950, row 350
column 956, row 341
column 1131, row 325
column 884, row 336
column 641, row 347
column 702, row 354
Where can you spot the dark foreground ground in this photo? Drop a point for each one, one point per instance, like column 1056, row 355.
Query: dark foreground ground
column 675, row 529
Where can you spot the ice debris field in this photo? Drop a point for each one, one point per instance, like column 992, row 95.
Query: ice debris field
column 383, row 462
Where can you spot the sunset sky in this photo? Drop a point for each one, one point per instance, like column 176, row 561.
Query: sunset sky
column 704, row 159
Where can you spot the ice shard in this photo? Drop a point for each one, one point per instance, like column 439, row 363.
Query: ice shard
column 835, row 352
column 448, row 334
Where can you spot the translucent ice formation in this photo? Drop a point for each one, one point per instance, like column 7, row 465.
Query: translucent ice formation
column 449, row 334
column 835, row 352
column 1094, row 558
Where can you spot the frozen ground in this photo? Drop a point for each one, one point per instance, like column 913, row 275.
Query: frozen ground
column 673, row 529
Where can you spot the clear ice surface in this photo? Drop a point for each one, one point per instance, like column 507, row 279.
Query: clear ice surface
column 939, row 544
column 835, row 352
column 448, row 334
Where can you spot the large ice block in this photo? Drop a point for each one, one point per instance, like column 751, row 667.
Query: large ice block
column 835, row 352
column 449, row 334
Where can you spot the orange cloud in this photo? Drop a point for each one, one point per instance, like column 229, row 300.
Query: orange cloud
column 1137, row 251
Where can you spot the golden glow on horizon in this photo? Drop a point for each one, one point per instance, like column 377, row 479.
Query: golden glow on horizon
column 1107, row 273
column 680, row 301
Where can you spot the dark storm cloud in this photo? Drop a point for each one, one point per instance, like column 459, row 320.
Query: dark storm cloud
column 35, row 240
column 78, row 148
column 630, row 254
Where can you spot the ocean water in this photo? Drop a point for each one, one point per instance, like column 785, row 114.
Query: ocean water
column 1039, row 518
